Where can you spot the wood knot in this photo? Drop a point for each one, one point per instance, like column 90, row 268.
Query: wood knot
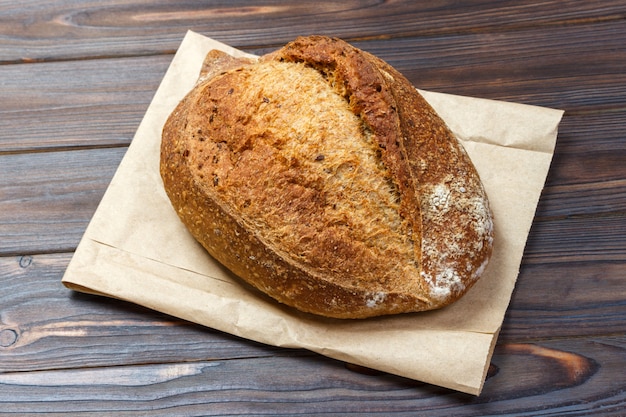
column 25, row 261
column 566, row 368
column 8, row 337
column 536, row 369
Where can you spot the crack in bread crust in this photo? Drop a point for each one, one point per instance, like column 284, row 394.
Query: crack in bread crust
column 317, row 175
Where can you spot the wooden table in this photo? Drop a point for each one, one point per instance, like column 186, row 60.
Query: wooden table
column 76, row 79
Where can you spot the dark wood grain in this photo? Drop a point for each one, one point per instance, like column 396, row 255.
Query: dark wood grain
column 528, row 378
column 46, row 207
column 47, row 198
column 515, row 65
column 45, row 326
column 100, row 102
column 61, row 31
column 75, row 81
column 561, row 299
column 576, row 239
column 583, row 180
column 601, row 161
column 60, row 105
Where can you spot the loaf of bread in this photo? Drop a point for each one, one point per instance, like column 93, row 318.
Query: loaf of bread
column 319, row 175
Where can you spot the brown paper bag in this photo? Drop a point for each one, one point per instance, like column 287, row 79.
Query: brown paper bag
column 136, row 249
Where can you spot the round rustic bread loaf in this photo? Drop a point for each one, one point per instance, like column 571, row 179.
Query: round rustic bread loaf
column 319, row 175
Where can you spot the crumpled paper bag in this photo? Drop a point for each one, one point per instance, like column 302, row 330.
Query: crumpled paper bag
column 136, row 249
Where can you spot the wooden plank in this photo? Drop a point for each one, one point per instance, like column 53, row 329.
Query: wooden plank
column 590, row 148
column 577, row 239
column 45, row 31
column 70, row 104
column 43, row 325
column 47, row 199
column 100, row 102
column 601, row 197
column 574, row 377
column 581, row 181
column 515, row 66
column 45, row 206
column 554, row 300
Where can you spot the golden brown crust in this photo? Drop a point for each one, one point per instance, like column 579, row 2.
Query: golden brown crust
column 390, row 217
